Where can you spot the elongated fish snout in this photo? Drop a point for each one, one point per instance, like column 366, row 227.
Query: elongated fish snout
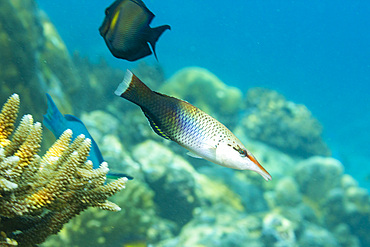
column 259, row 169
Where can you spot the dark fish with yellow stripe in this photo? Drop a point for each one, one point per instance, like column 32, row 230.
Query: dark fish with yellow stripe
column 126, row 30
column 193, row 129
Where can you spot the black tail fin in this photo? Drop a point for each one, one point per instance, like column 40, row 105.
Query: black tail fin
column 133, row 89
column 155, row 34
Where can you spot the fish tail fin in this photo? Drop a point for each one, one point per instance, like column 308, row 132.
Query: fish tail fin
column 155, row 34
column 53, row 116
column 133, row 89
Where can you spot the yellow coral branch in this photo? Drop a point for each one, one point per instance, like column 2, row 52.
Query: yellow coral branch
column 20, row 134
column 30, row 146
column 8, row 116
column 57, row 149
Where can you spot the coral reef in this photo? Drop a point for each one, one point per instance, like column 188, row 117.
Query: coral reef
column 175, row 180
column 127, row 127
column 38, row 195
column 290, row 127
column 137, row 220
column 34, row 58
column 174, row 200
column 316, row 176
column 97, row 79
column 218, row 226
column 177, row 202
column 191, row 202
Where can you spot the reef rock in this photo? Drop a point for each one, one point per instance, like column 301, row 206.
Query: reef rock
column 97, row 80
column 278, row 230
column 35, row 60
column 290, row 127
column 314, row 235
column 348, row 207
column 316, row 176
column 218, row 226
column 33, row 57
column 204, row 90
column 178, row 186
column 335, row 199
column 171, row 178
column 287, row 192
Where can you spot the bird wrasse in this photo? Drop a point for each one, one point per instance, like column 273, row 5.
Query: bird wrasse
column 126, row 30
column 190, row 127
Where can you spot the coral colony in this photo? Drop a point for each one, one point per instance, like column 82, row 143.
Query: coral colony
column 38, row 195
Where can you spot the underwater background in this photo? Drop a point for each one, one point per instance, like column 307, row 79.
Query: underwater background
column 314, row 53
column 289, row 78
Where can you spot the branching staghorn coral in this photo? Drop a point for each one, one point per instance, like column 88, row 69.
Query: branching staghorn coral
column 38, row 195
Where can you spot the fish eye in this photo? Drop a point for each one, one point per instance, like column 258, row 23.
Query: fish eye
column 242, row 152
column 106, row 11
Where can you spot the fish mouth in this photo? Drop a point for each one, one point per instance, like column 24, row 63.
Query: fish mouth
column 264, row 173
column 103, row 29
column 259, row 169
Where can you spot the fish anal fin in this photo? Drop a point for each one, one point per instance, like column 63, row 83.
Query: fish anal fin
column 140, row 52
column 154, row 126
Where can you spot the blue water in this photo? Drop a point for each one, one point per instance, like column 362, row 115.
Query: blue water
column 314, row 52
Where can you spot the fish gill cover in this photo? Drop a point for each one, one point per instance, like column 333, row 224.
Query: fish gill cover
column 176, row 200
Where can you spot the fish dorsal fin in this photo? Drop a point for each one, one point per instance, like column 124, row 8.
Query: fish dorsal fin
column 53, row 115
column 144, row 8
column 154, row 126
column 154, row 36
column 171, row 97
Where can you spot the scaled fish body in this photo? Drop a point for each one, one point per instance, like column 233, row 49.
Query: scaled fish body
column 126, row 30
column 193, row 129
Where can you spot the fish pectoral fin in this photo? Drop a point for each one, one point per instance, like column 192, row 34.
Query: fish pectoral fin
column 206, row 150
column 194, row 155
column 209, row 150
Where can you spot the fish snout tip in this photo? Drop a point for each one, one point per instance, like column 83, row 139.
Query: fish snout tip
column 264, row 173
column 267, row 176
column 259, row 168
